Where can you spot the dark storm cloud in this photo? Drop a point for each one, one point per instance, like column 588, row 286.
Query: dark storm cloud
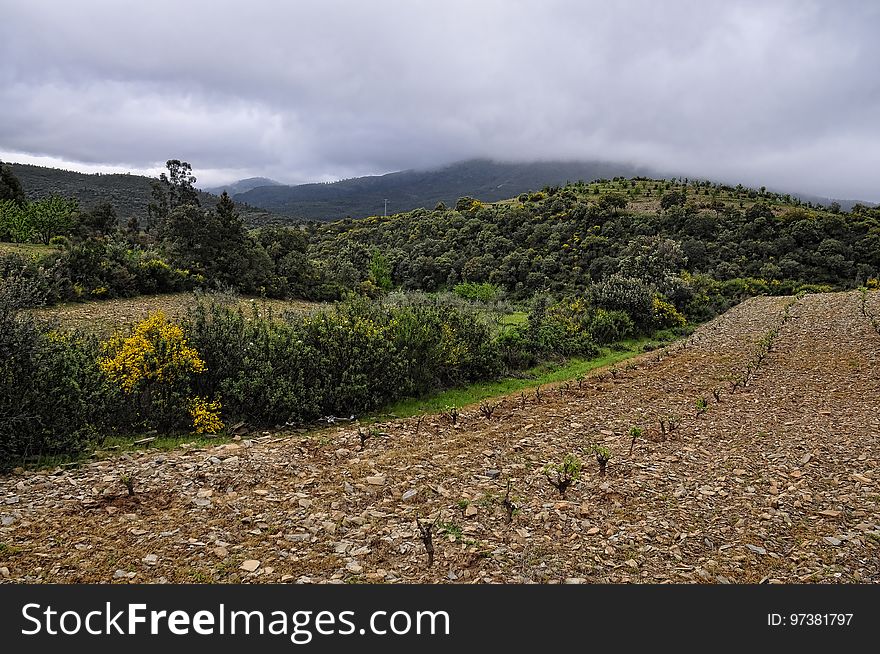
column 783, row 94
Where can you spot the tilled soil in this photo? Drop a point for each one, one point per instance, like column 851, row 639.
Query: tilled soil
column 775, row 480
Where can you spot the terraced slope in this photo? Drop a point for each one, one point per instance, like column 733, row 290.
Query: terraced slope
column 777, row 480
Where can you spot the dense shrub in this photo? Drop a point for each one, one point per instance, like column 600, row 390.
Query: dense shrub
column 53, row 397
column 608, row 327
column 484, row 292
column 628, row 294
column 665, row 315
column 358, row 357
column 46, row 278
column 560, row 329
column 155, row 368
column 106, row 269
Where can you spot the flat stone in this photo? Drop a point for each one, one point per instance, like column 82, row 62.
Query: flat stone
column 250, row 565
column 412, row 492
column 470, row 511
column 297, row 538
column 150, row 559
column 831, row 540
column 376, row 480
column 354, row 567
column 7, row 520
column 756, row 549
column 220, row 551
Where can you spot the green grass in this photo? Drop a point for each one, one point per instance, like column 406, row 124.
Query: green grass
column 547, row 373
column 515, row 318
column 163, row 443
column 115, row 445
column 34, row 250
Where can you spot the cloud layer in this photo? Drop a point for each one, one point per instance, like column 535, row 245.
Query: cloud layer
column 784, row 94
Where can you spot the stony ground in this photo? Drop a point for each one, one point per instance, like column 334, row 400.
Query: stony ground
column 777, row 480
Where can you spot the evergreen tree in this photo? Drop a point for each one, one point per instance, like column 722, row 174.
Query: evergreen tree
column 10, row 187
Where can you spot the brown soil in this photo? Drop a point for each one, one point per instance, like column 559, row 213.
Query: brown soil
column 776, row 481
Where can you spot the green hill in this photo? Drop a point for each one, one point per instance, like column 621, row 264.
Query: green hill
column 563, row 239
column 129, row 194
column 411, row 189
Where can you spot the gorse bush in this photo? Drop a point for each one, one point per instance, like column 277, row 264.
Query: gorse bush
column 665, row 315
column 156, row 368
column 205, row 415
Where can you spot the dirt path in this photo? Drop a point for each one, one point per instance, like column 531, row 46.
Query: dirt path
column 776, row 481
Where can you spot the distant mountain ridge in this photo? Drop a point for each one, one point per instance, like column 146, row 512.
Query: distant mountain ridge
column 242, row 185
column 411, row 189
column 129, row 194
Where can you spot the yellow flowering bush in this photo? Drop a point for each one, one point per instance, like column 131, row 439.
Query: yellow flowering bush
column 205, row 415
column 873, row 283
column 156, row 366
column 156, row 351
column 665, row 314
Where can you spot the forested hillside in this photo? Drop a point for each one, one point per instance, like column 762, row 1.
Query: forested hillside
column 128, row 194
column 562, row 239
column 411, row 189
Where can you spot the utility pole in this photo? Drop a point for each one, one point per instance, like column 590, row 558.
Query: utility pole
column 386, row 208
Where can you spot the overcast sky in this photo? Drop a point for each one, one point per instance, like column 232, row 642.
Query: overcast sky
column 785, row 94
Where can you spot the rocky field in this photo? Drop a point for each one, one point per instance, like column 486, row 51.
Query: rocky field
column 758, row 461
